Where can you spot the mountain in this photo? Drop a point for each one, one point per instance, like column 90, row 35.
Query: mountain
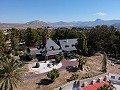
column 39, row 24
column 36, row 23
column 32, row 24
column 87, row 23
column 117, row 25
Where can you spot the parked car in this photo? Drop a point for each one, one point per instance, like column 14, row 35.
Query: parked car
column 71, row 68
column 117, row 62
column 112, row 64
column 71, row 58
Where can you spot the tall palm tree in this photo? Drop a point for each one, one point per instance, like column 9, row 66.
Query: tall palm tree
column 46, row 36
column 11, row 73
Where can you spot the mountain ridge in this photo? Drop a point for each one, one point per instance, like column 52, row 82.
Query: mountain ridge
column 40, row 24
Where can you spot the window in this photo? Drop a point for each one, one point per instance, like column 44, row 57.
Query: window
column 113, row 77
column 73, row 45
column 52, row 47
column 118, row 78
column 66, row 41
column 66, row 45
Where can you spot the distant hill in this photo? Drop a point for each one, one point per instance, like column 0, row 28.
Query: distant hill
column 39, row 24
column 117, row 25
column 84, row 24
column 32, row 24
column 36, row 23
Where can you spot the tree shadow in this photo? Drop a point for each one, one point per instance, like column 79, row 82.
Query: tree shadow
column 44, row 82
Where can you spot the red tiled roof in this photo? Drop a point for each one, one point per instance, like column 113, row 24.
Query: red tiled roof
column 89, row 87
column 94, row 86
column 99, row 84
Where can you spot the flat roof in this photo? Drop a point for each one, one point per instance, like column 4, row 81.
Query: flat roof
column 115, row 69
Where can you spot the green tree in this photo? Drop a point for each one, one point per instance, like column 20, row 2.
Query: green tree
column 81, row 60
column 107, row 87
column 74, row 76
column 11, row 73
column 104, row 63
column 29, row 37
column 53, row 74
column 82, row 44
column 2, row 43
column 59, row 57
column 103, row 38
column 14, row 37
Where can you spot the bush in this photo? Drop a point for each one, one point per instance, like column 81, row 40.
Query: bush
column 53, row 74
column 59, row 58
column 37, row 65
column 74, row 77
column 32, row 57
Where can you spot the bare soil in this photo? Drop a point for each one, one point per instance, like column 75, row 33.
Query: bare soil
column 93, row 62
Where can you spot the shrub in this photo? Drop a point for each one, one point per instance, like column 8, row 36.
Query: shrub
column 53, row 74
column 37, row 65
column 59, row 57
column 32, row 57
column 74, row 76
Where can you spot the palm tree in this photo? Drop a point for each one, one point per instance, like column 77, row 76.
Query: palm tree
column 11, row 73
column 46, row 36
column 81, row 62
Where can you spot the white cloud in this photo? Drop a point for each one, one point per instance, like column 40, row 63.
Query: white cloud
column 100, row 13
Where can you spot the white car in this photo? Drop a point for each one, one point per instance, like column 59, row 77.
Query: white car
column 72, row 58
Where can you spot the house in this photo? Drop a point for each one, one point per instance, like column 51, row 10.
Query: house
column 68, row 45
column 114, row 73
column 32, row 51
column 50, row 47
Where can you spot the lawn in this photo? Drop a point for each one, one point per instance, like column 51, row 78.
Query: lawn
column 93, row 62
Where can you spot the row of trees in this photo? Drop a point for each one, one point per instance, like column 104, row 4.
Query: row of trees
column 2, row 43
column 99, row 38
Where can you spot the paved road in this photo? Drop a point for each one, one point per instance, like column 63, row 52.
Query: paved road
column 64, row 64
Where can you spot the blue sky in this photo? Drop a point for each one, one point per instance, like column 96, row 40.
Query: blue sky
column 58, row 10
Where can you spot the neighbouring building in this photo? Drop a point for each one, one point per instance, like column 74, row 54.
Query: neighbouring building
column 114, row 73
column 114, row 77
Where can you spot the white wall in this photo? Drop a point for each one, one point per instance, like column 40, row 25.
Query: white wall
column 116, row 77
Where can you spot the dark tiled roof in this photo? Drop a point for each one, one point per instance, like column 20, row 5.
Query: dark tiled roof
column 68, row 44
column 51, row 46
column 34, row 51
column 53, row 52
column 50, row 43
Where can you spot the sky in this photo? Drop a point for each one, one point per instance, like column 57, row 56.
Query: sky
column 21, row 11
